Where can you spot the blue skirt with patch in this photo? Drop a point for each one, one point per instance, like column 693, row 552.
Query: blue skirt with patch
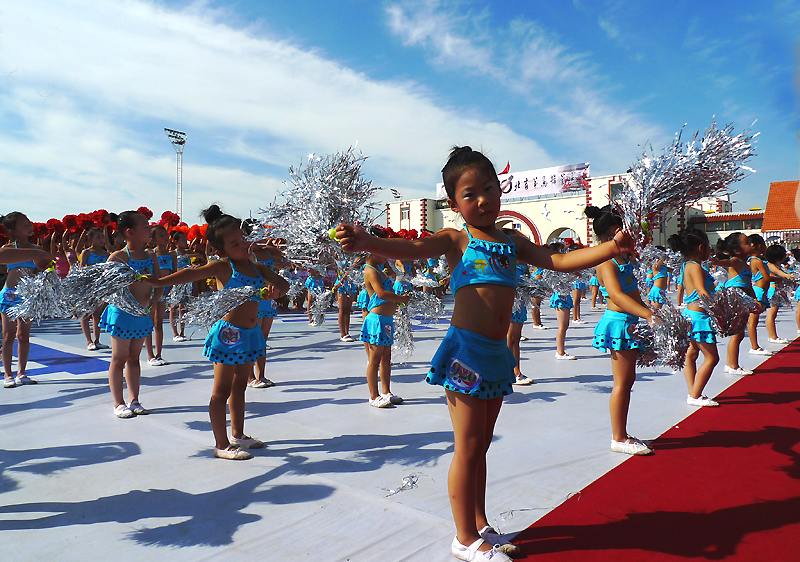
column 613, row 331
column 230, row 344
column 8, row 298
column 561, row 301
column 656, row 294
column 702, row 329
column 472, row 364
column 378, row 329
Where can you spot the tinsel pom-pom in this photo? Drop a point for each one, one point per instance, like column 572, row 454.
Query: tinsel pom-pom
column 730, row 309
column 403, row 346
column 664, row 344
column 212, row 306
column 38, row 297
column 425, row 307
column 179, row 294
column 422, row 280
column 88, row 287
column 125, row 301
column 322, row 302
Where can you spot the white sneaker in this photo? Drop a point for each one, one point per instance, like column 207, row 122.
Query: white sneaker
column 702, row 401
column 540, row 327
column 157, row 362
column 760, row 351
column 122, row 411
column 502, row 544
column 245, row 442
column 741, row 371
column 91, row 346
column 523, row 338
column 347, row 338
column 392, row 398
column 630, row 446
column 579, row 321
column 380, row 402
column 522, row 380
column 777, row 340
column 565, row 357
column 472, row 554
column 180, row 338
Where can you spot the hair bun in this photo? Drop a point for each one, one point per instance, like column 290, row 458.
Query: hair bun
column 592, row 212
column 212, row 213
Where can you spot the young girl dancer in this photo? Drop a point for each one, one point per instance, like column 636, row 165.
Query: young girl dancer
column 738, row 247
column 536, row 309
column 94, row 254
column 657, row 295
column 697, row 282
column 128, row 332
column 183, row 260
column 315, row 285
column 167, row 262
column 518, row 317
column 267, row 312
column 761, row 279
column 594, row 285
column 235, row 341
column 624, row 308
column 562, row 304
column 775, row 255
column 19, row 230
column 377, row 331
column 474, row 363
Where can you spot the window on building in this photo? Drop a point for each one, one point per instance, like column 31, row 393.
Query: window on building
column 715, row 226
column 734, row 225
column 615, row 189
column 753, row 224
column 405, row 213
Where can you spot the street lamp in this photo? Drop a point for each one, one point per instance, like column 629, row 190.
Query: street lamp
column 178, row 140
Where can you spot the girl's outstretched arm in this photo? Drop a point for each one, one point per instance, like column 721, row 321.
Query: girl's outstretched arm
column 214, row 269
column 279, row 285
column 10, row 254
column 356, row 239
column 542, row 256
column 776, row 272
column 607, row 272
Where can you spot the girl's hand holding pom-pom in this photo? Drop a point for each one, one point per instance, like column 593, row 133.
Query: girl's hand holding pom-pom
column 623, row 241
column 269, row 292
column 351, row 237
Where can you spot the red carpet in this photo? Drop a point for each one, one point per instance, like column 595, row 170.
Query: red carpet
column 724, row 485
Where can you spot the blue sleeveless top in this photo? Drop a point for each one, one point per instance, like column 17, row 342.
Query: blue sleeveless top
column 758, row 275
column 743, row 280
column 94, row 259
column 386, row 283
column 662, row 273
column 165, row 262
column 314, row 284
column 184, row 262
column 11, row 266
column 239, row 280
column 270, row 263
column 627, row 280
column 708, row 283
column 485, row 263
column 140, row 266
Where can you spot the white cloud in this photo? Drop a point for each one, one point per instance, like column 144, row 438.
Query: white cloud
column 90, row 85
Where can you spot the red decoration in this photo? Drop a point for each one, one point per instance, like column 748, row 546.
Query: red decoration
column 506, row 169
column 146, row 212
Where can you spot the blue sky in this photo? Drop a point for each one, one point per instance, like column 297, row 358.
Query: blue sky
column 86, row 88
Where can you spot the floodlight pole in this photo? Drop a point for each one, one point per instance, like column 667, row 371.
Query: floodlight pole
column 178, row 140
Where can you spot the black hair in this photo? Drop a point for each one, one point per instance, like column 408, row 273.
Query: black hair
column 93, row 230
column 377, row 231
column 796, row 253
column 730, row 244
column 687, row 240
column 775, row 254
column 156, row 227
column 128, row 219
column 175, row 233
column 9, row 221
column 461, row 158
column 556, row 246
column 756, row 240
column 218, row 223
column 603, row 220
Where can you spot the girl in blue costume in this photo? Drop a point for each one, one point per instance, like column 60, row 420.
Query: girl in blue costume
column 345, row 290
column 776, row 257
column 127, row 331
column 315, row 286
column 183, row 260
column 761, row 279
column 594, row 286
column 536, row 309
column 658, row 295
column 563, row 305
column 273, row 258
column 167, row 263
column 738, row 248
column 235, row 341
column 518, row 317
column 612, row 333
column 19, row 230
column 96, row 253
column 697, row 283
column 473, row 363
column 377, row 331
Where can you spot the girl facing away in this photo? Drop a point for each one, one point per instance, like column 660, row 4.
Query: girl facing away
column 738, row 248
column 697, row 283
column 22, row 259
column 624, row 307
column 167, row 263
column 128, row 331
column 94, row 254
column 473, row 363
column 235, row 341
column 761, row 279
column 775, row 256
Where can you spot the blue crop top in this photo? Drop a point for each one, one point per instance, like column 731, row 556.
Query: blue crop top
column 140, row 266
column 662, row 273
column 758, row 275
column 165, row 262
column 743, row 280
column 94, row 259
column 386, row 283
column 485, row 263
column 30, row 264
column 270, row 263
column 708, row 283
column 627, row 280
column 239, row 280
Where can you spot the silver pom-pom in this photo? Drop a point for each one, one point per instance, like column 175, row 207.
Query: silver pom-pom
column 730, row 309
column 322, row 302
column 425, row 307
column 784, row 288
column 211, row 306
column 422, row 280
column 38, row 297
column 403, row 345
column 664, row 344
column 126, row 302
column 179, row 294
column 88, row 287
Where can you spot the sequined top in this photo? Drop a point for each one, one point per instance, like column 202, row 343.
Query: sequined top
column 485, row 263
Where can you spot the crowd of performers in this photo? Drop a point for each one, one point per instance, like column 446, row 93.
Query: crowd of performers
column 477, row 363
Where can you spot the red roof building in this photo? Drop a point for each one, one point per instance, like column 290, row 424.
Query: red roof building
column 780, row 221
